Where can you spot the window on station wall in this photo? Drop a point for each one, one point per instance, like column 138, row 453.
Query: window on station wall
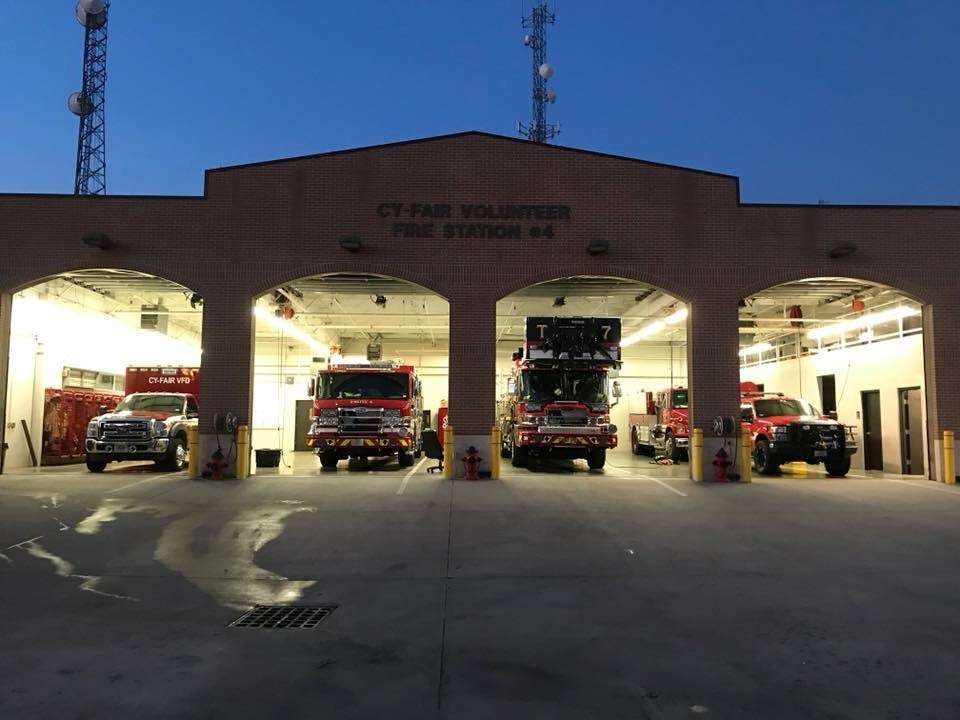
column 73, row 338
column 833, row 342
column 308, row 326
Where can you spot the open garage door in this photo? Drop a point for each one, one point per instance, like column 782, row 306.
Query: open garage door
column 832, row 373
column 350, row 370
column 644, row 398
column 80, row 342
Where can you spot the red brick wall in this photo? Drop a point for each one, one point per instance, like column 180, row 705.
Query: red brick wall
column 682, row 230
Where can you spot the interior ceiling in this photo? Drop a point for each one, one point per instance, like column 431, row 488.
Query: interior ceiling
column 765, row 315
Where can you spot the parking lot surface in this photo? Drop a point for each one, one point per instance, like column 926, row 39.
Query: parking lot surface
column 565, row 593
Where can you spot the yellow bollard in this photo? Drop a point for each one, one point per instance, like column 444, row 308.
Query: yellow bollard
column 193, row 450
column 495, row 453
column 949, row 460
column 746, row 443
column 448, row 452
column 243, row 451
column 696, row 455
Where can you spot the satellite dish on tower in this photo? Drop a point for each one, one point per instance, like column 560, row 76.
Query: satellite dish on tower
column 546, row 71
column 90, row 13
column 527, row 39
column 77, row 104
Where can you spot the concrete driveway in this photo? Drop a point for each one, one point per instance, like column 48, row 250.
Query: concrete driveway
column 628, row 593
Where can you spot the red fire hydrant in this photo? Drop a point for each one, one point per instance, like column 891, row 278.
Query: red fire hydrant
column 720, row 465
column 216, row 466
column 471, row 463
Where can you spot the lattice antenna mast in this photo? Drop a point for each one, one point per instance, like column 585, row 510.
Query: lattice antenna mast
column 90, row 103
column 536, row 22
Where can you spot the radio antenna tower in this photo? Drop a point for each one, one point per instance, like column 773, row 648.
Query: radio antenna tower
column 536, row 22
column 89, row 103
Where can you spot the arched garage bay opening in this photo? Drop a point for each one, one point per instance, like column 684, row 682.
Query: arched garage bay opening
column 650, row 414
column 840, row 347
column 368, row 353
column 80, row 341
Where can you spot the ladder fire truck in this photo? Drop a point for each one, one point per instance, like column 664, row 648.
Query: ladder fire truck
column 557, row 403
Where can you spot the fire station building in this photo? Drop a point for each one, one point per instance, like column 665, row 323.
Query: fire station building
column 434, row 250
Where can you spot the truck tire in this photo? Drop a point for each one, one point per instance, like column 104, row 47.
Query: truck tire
column 176, row 458
column 328, row 460
column 670, row 448
column 763, row 460
column 837, row 465
column 405, row 458
column 96, row 465
column 596, row 458
column 520, row 457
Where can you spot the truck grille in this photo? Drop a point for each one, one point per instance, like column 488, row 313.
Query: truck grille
column 361, row 421
column 125, row 430
column 575, row 417
column 809, row 434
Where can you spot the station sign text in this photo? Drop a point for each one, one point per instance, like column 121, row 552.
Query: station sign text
column 473, row 220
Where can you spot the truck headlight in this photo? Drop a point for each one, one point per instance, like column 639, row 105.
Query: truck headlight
column 327, row 418
column 160, row 429
column 532, row 419
column 780, row 432
column 601, row 420
column 93, row 429
column 392, row 417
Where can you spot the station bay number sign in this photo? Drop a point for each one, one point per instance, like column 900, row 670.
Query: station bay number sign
column 473, row 221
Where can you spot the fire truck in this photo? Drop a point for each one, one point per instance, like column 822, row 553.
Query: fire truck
column 557, row 404
column 785, row 429
column 150, row 423
column 364, row 411
column 662, row 429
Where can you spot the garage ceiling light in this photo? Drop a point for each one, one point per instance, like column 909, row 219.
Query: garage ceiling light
column 288, row 328
column 655, row 327
column 864, row 322
column 756, row 349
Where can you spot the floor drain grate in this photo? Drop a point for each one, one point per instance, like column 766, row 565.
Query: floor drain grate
column 279, row 617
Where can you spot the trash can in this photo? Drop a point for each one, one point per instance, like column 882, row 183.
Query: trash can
column 268, row 458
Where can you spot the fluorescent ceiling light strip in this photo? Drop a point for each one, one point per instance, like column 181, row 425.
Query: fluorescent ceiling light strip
column 756, row 349
column 290, row 329
column 866, row 321
column 654, row 327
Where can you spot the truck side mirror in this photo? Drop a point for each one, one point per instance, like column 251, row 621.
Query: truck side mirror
column 746, row 414
column 511, row 385
column 311, row 387
column 102, row 410
column 617, row 392
column 832, row 414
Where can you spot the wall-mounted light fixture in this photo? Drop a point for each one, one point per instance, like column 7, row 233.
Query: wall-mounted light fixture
column 98, row 240
column 598, row 247
column 841, row 251
column 351, row 244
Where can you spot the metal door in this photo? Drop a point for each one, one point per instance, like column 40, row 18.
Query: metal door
column 302, row 425
column 911, row 431
column 872, row 434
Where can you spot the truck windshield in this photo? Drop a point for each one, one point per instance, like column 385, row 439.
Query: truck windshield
column 152, row 403
column 680, row 399
column 382, row 386
column 588, row 386
column 783, row 406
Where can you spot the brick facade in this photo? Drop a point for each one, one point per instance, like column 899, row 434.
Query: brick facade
column 683, row 230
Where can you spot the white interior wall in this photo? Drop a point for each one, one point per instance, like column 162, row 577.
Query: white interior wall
column 887, row 366
column 49, row 334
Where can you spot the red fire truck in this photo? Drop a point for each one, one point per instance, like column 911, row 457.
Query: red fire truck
column 662, row 429
column 557, row 403
column 364, row 411
column 150, row 423
column 785, row 429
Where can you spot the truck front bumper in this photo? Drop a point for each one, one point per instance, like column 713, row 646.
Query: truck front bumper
column 544, row 437
column 360, row 445
column 154, row 449
column 786, row 451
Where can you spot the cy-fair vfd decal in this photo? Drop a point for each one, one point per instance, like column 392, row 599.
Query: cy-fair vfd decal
column 569, row 440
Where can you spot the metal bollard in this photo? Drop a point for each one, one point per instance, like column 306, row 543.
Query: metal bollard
column 949, row 459
column 495, row 453
column 243, row 451
column 448, row 459
column 193, row 450
column 746, row 471
column 696, row 455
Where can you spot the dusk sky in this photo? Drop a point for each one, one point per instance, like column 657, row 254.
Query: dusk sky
column 852, row 102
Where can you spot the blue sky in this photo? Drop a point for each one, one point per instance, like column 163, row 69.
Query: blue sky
column 805, row 101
